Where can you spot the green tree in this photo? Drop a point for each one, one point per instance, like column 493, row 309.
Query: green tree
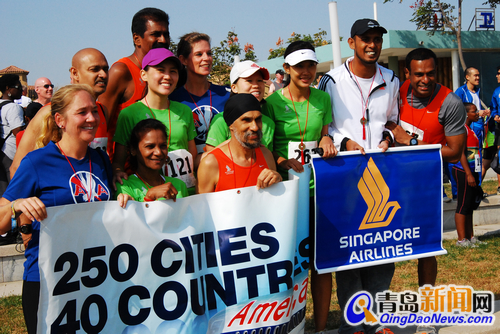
column 249, row 52
column 317, row 39
column 425, row 17
column 223, row 56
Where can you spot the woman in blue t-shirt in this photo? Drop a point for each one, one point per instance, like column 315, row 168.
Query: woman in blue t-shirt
column 65, row 171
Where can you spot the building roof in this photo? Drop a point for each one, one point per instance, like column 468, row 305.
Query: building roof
column 400, row 42
column 14, row 70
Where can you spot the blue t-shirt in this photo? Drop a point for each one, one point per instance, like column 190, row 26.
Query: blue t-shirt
column 46, row 174
column 204, row 108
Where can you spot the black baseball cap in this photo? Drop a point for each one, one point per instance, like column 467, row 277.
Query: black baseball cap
column 363, row 25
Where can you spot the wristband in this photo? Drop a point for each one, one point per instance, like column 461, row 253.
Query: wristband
column 13, row 220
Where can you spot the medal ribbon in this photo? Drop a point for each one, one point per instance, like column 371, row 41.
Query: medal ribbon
column 364, row 104
column 302, row 146
column 89, row 196
column 169, row 130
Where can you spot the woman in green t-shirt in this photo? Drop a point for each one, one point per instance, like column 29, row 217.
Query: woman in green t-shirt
column 301, row 113
column 161, row 73
column 246, row 77
column 148, row 150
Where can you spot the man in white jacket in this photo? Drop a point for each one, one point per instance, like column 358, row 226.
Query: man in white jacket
column 364, row 98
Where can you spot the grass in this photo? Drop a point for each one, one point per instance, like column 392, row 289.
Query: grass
column 477, row 267
column 489, row 187
column 11, row 316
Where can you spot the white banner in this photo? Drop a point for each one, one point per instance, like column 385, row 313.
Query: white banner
column 214, row 263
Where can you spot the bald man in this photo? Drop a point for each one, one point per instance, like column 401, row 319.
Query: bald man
column 149, row 30
column 44, row 90
column 88, row 66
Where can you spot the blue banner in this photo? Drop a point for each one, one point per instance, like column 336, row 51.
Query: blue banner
column 378, row 208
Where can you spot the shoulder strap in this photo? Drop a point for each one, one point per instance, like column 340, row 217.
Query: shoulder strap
column 5, row 102
column 1, row 106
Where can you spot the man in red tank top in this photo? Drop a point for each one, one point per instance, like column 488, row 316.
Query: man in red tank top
column 241, row 161
column 90, row 67
column 429, row 114
column 149, row 30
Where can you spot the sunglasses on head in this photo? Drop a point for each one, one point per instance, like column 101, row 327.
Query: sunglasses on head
column 47, row 86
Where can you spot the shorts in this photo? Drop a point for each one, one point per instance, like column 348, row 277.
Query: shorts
column 466, row 197
column 489, row 152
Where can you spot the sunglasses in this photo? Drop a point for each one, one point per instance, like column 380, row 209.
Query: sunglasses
column 17, row 87
column 47, row 86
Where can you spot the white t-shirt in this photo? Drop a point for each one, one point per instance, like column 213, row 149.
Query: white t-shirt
column 475, row 100
column 12, row 117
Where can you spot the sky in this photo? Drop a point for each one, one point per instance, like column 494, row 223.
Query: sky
column 41, row 36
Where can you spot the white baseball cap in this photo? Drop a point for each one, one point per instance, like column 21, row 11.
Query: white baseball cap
column 246, row 68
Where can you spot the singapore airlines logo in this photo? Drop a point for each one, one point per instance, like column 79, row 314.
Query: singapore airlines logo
column 376, row 194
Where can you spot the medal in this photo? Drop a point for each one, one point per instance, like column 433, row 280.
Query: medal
column 363, row 121
column 302, row 146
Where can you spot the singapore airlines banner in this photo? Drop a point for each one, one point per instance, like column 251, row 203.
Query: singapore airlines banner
column 378, row 208
column 214, row 263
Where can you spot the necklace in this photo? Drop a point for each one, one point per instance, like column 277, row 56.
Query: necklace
column 138, row 62
column 89, row 196
column 198, row 108
column 249, row 172
column 145, row 183
column 364, row 104
column 302, row 146
column 169, row 128
column 414, row 134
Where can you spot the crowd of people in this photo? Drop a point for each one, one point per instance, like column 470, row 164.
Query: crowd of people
column 153, row 127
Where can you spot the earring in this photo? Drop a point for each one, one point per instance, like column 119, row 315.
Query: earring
column 9, row 94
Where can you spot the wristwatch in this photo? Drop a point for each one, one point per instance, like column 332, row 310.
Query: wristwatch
column 26, row 229
column 413, row 141
column 328, row 135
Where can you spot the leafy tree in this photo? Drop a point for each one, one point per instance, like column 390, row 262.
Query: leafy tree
column 223, row 56
column 249, row 52
column 425, row 17
column 317, row 39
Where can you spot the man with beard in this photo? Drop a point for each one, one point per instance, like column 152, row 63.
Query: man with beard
column 88, row 66
column 242, row 162
column 364, row 96
column 149, row 30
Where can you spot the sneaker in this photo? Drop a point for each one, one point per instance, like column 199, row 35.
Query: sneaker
column 427, row 329
column 446, row 199
column 465, row 243
column 383, row 330
column 476, row 241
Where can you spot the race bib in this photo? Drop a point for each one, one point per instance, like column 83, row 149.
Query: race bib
column 294, row 151
column 100, row 143
column 412, row 130
column 181, row 167
column 477, row 163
